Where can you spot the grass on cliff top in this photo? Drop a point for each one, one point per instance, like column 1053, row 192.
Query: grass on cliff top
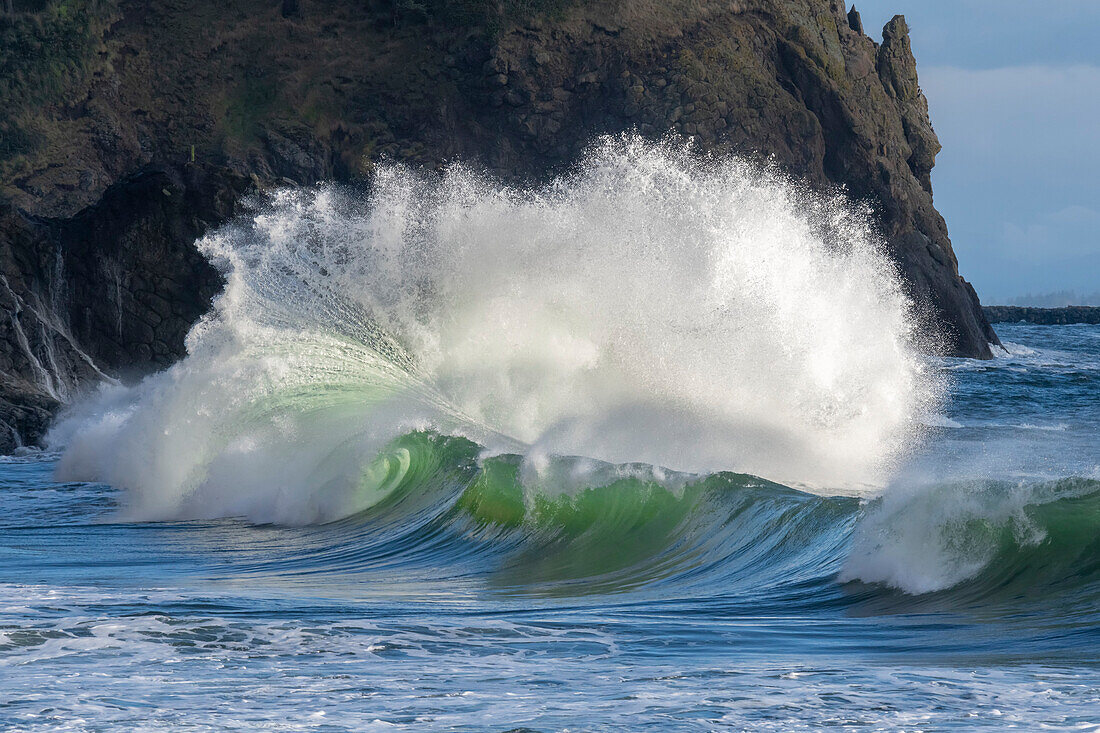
column 45, row 57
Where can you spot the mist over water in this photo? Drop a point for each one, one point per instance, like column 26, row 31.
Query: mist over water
column 651, row 307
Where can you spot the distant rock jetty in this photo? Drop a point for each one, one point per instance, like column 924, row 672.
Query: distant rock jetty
column 1042, row 316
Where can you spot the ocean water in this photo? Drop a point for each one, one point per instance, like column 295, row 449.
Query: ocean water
column 651, row 448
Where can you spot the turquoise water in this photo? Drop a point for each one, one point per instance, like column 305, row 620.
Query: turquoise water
column 962, row 596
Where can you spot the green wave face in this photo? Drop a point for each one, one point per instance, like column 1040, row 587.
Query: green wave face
column 414, row 463
column 579, row 526
column 1059, row 546
column 594, row 532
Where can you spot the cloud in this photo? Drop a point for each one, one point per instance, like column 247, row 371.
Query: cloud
column 1076, row 215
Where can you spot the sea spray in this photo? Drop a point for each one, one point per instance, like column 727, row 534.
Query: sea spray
column 650, row 307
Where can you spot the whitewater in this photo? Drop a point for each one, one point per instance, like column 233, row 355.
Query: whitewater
column 659, row 444
column 651, row 308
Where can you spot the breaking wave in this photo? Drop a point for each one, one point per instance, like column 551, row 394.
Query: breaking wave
column 651, row 307
column 582, row 381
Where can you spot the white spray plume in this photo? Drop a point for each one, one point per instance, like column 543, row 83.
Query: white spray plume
column 652, row 307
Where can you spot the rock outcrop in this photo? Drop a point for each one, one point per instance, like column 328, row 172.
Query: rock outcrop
column 104, row 201
column 110, row 292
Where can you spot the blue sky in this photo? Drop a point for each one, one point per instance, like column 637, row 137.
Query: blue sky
column 1014, row 92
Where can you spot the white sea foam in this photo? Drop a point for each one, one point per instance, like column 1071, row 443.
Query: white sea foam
column 1014, row 351
column 922, row 538
column 941, row 421
column 651, row 307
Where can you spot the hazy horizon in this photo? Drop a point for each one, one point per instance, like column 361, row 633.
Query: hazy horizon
column 1058, row 299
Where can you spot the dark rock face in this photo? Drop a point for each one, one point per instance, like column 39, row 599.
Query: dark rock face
column 134, row 282
column 303, row 91
column 41, row 365
column 110, row 292
column 855, row 22
column 1042, row 316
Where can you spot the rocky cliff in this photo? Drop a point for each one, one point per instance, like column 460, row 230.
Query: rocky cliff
column 128, row 128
